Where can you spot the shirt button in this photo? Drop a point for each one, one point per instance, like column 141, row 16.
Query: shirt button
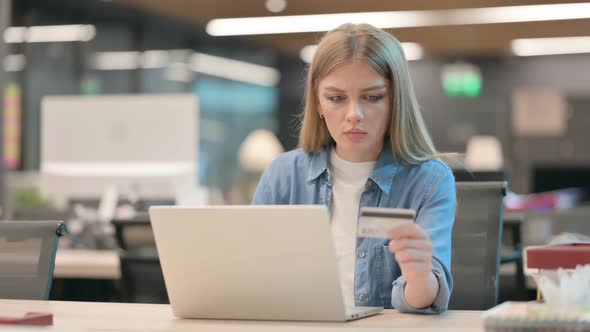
column 362, row 254
column 362, row 297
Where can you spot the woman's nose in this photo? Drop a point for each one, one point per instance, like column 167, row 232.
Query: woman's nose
column 354, row 112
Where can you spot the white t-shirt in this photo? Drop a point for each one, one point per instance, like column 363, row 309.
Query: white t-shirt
column 349, row 180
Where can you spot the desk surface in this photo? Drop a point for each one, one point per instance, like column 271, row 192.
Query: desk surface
column 76, row 316
column 87, row 264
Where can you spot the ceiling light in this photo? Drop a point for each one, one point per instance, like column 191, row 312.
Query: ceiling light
column 154, row 59
column 548, row 46
column 14, row 62
column 15, row 35
column 235, row 70
column 173, row 60
column 276, row 6
column 179, row 72
column 397, row 19
column 116, row 60
column 307, row 53
column 413, row 51
column 50, row 33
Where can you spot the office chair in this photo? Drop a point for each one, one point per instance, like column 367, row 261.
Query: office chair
column 476, row 241
column 512, row 234
column 27, row 258
column 463, row 175
column 141, row 274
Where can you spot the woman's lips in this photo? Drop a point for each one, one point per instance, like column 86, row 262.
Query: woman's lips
column 356, row 135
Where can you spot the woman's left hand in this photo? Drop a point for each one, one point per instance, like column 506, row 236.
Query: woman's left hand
column 413, row 252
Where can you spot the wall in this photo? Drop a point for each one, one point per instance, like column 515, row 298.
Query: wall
column 452, row 121
column 5, row 18
column 229, row 109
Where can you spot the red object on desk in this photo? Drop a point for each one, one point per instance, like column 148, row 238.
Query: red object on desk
column 565, row 256
column 30, row 318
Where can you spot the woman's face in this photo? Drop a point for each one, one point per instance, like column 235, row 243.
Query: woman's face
column 355, row 103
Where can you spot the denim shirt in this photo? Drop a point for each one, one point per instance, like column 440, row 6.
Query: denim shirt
column 298, row 177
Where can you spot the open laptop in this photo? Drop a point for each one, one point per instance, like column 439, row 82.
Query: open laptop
column 251, row 262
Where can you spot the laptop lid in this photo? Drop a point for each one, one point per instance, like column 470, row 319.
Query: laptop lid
column 249, row 262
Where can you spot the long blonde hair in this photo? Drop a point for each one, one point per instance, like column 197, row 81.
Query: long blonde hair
column 409, row 138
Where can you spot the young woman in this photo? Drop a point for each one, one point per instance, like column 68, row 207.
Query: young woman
column 363, row 142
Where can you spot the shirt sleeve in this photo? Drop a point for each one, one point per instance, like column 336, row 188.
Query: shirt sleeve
column 436, row 216
column 263, row 194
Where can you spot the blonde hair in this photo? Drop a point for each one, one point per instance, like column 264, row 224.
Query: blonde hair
column 409, row 138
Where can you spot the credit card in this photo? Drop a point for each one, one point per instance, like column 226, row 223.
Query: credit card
column 378, row 222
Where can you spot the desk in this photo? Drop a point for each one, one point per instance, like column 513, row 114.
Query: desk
column 87, row 264
column 86, row 275
column 513, row 224
column 72, row 316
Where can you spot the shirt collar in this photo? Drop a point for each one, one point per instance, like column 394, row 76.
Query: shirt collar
column 318, row 164
column 383, row 173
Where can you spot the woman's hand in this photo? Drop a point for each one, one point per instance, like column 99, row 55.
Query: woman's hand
column 413, row 253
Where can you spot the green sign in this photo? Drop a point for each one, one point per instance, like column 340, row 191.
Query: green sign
column 461, row 81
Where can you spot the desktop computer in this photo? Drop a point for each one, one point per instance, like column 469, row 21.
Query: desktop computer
column 137, row 146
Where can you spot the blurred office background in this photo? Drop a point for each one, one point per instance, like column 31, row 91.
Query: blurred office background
column 514, row 107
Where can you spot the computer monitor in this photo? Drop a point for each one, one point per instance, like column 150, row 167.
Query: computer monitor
column 556, row 177
column 142, row 145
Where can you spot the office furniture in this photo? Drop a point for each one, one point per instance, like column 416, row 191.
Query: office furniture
column 87, row 264
column 463, row 175
column 573, row 220
column 142, row 280
column 511, row 235
column 143, row 146
column 72, row 316
column 86, row 275
column 27, row 257
column 513, row 224
column 476, row 241
column 134, row 233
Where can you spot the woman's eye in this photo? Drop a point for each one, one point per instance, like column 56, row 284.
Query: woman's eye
column 374, row 98
column 336, row 99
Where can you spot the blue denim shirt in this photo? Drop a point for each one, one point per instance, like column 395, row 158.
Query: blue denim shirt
column 297, row 177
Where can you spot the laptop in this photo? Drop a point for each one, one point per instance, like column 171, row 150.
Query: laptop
column 263, row 262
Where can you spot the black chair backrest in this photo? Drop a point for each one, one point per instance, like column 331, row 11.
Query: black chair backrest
column 476, row 243
column 27, row 258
